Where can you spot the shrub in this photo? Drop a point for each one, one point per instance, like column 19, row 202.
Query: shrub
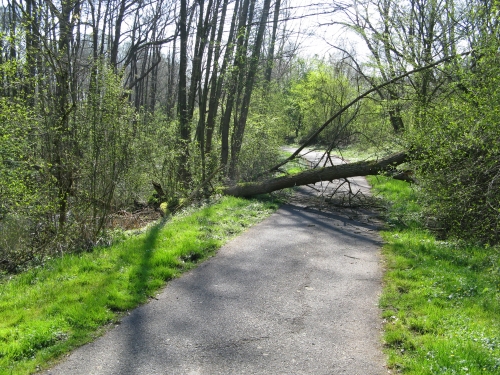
column 459, row 155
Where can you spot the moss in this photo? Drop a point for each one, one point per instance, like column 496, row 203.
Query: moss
column 164, row 211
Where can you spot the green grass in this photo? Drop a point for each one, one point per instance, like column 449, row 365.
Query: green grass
column 355, row 153
column 441, row 299
column 47, row 311
column 294, row 166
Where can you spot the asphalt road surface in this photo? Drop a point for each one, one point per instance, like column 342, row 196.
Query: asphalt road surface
column 295, row 294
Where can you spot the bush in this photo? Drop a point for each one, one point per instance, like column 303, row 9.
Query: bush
column 459, row 156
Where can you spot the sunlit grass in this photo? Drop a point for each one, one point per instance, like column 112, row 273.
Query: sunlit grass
column 49, row 310
column 294, row 166
column 441, row 299
column 355, row 153
column 404, row 211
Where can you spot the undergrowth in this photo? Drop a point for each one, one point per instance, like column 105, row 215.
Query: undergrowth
column 49, row 310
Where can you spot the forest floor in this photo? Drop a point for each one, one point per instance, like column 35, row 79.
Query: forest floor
column 297, row 293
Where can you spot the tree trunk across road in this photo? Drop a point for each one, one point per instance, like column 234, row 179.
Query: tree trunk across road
column 334, row 172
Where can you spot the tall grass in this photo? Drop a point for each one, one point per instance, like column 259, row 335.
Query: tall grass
column 441, row 299
column 49, row 310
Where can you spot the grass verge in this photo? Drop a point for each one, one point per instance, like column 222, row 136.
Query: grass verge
column 294, row 166
column 441, row 299
column 47, row 311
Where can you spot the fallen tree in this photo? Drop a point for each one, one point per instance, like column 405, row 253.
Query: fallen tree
column 357, row 99
column 361, row 168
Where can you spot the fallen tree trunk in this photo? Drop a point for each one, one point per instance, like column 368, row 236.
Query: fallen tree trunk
column 361, row 168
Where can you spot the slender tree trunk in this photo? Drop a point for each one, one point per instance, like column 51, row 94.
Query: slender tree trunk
column 171, row 93
column 238, row 66
column 63, row 141
column 202, row 105
column 12, row 11
column 184, row 126
column 117, row 34
column 32, row 48
column 202, row 32
column 154, row 79
column 217, row 80
column 270, row 52
column 249, row 83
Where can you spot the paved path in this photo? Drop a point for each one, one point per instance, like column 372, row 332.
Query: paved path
column 295, row 294
column 345, row 191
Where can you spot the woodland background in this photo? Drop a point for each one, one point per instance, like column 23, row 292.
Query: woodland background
column 109, row 106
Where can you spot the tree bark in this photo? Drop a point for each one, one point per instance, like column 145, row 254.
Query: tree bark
column 361, row 168
column 217, row 74
column 248, row 88
column 236, row 77
column 270, row 52
column 182, row 109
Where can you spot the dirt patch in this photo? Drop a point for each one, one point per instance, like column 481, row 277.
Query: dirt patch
column 127, row 220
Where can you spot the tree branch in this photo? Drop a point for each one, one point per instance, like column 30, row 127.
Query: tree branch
column 366, row 93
